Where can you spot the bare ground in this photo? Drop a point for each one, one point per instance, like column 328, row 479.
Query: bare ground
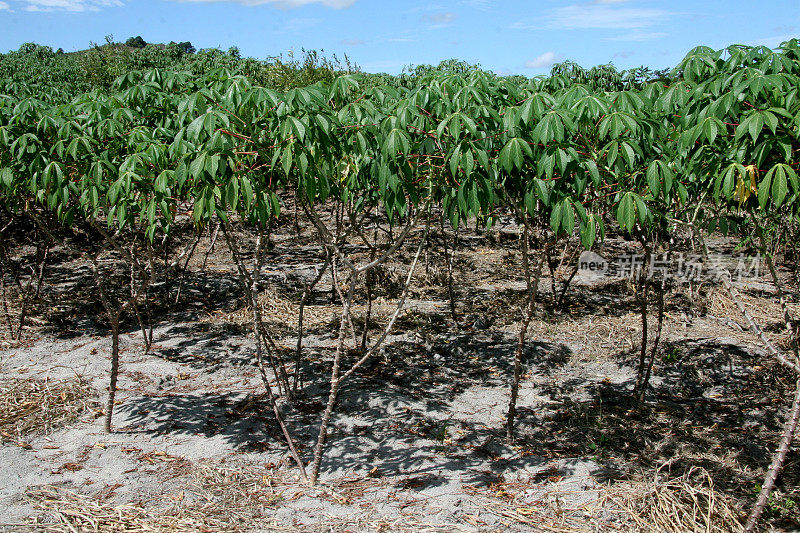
column 417, row 441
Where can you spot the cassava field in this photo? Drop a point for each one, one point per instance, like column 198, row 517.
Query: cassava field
column 290, row 296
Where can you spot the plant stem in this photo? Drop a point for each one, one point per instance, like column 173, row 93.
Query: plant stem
column 301, row 313
column 336, row 378
column 532, row 286
column 789, row 430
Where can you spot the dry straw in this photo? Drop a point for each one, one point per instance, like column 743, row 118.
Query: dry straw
column 40, row 405
column 68, row 512
column 687, row 503
column 244, row 498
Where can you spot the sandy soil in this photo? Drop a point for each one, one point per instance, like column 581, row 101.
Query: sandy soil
column 417, row 440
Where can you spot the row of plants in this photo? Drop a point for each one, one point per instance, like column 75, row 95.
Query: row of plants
column 56, row 76
column 711, row 146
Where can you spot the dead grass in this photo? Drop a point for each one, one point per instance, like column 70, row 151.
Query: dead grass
column 281, row 313
column 240, row 498
column 39, row 405
column 689, row 503
column 765, row 310
column 605, row 335
column 599, row 336
column 34, row 326
column 69, row 512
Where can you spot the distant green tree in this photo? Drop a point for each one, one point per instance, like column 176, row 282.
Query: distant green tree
column 136, row 42
column 186, row 47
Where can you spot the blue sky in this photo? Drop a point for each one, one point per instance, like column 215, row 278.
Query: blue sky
column 514, row 36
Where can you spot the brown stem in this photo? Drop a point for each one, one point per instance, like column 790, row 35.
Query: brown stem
column 336, row 379
column 35, row 283
column 789, row 431
column 112, row 387
column 185, row 267
column 369, row 281
column 398, row 309
column 644, row 286
column 113, row 318
column 642, row 386
column 450, row 258
column 251, row 291
column 300, row 314
column 551, row 268
column 334, row 281
column 532, row 286
column 335, row 383
column 211, row 246
column 6, row 311
column 136, row 311
column 788, row 321
column 257, row 322
column 567, row 283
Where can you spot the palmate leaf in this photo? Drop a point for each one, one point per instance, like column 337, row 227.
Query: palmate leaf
column 198, row 165
column 513, row 154
column 626, row 211
column 556, row 218
column 567, row 216
column 562, row 217
column 594, row 173
column 204, row 123
column 617, row 123
column 549, row 128
column 754, row 124
column 711, row 127
column 726, row 181
column 298, row 128
column 659, row 178
column 588, row 231
column 535, row 106
column 7, row 177
column 455, row 160
column 397, row 141
column 777, row 182
column 286, row 160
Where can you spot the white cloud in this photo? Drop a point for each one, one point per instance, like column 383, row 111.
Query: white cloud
column 4, row 7
column 439, row 20
column 74, row 6
column 638, row 35
column 546, row 60
column 352, row 42
column 479, row 4
column 301, row 24
column 605, row 14
column 285, row 4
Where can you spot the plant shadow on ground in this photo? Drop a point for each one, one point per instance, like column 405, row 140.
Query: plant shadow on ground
column 395, row 415
column 206, row 346
column 710, row 404
column 71, row 306
column 431, row 403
